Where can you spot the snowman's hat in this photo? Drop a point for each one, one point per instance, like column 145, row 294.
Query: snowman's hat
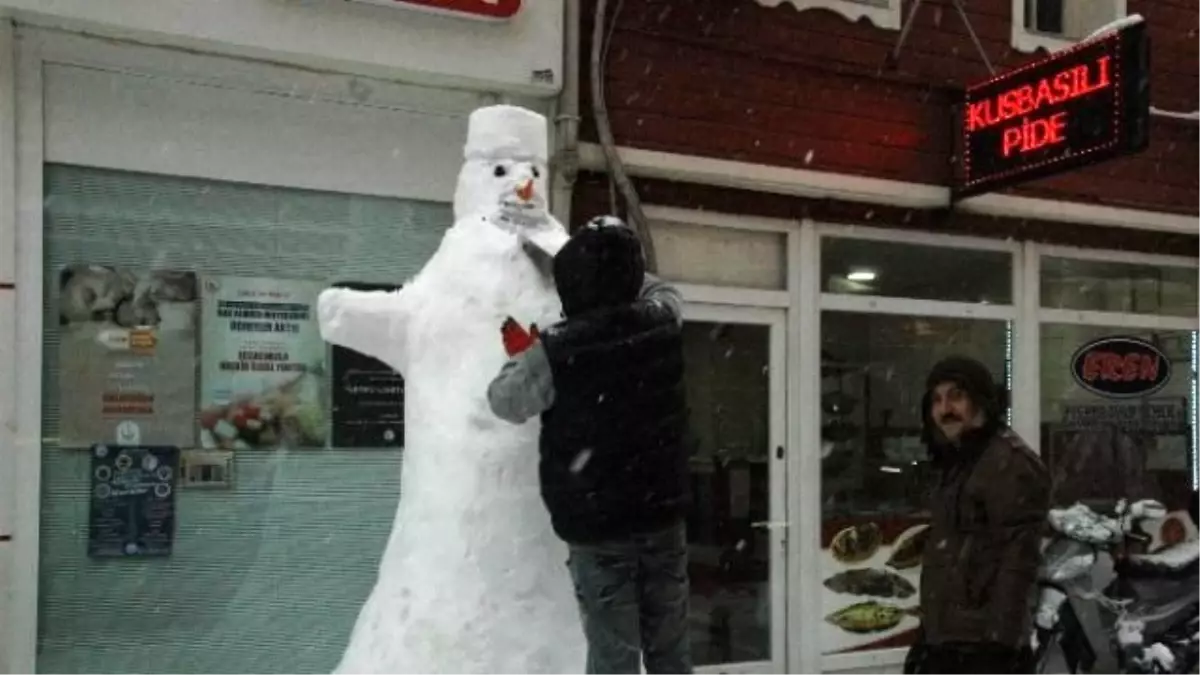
column 506, row 132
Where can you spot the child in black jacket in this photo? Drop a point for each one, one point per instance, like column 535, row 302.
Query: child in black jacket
column 608, row 383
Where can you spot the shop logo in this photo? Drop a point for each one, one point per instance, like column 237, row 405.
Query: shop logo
column 1121, row 367
column 493, row 10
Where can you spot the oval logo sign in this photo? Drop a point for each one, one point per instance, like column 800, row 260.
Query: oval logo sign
column 1121, row 367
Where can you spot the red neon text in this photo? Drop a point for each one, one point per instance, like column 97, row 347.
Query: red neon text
column 1069, row 84
column 1034, row 134
column 1112, row 367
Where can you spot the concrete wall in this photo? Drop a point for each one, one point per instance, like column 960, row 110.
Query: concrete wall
column 383, row 42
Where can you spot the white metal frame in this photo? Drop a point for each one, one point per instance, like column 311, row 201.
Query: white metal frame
column 1028, row 41
column 22, row 634
column 774, row 320
column 829, row 185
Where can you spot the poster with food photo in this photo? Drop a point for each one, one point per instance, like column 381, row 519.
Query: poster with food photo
column 126, row 356
column 871, row 574
column 262, row 364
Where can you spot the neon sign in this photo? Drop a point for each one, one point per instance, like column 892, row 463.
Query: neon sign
column 1077, row 107
column 488, row 10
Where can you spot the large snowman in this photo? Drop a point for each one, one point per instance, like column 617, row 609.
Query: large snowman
column 473, row 579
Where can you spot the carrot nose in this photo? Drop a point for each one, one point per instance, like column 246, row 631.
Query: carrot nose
column 525, row 192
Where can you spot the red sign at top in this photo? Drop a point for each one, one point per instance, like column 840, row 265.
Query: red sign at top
column 1076, row 107
column 493, row 10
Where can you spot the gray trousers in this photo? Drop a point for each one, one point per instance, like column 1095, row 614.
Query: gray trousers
column 633, row 597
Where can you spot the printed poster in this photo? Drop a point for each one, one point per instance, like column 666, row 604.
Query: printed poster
column 133, row 501
column 871, row 576
column 368, row 396
column 261, row 365
column 127, row 356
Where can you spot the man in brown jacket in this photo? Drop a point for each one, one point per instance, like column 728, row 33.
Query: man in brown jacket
column 987, row 509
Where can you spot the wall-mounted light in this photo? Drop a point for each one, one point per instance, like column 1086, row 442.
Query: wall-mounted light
column 861, row 275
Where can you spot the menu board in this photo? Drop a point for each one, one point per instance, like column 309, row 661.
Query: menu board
column 132, row 501
column 368, row 396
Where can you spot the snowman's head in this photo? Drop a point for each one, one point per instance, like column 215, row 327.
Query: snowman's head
column 504, row 163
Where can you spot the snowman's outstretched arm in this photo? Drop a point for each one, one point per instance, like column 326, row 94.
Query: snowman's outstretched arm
column 369, row 322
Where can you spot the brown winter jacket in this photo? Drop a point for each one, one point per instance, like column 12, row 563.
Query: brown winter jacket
column 987, row 511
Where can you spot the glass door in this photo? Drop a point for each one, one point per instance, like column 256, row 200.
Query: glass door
column 735, row 379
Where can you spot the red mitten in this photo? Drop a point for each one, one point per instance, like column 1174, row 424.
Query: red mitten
column 516, row 338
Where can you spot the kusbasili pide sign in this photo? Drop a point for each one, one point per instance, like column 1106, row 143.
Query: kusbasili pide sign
column 1075, row 107
column 487, row 10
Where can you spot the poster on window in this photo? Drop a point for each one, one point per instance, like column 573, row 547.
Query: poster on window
column 261, row 366
column 871, row 573
column 368, row 396
column 126, row 356
column 132, row 510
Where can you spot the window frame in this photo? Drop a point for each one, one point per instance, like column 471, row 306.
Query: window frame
column 1034, row 316
column 887, row 17
column 1025, row 40
column 882, row 658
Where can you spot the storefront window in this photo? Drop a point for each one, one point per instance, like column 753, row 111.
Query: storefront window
column 727, row 379
column 885, row 268
column 277, row 536
column 874, row 470
column 1068, row 283
column 1119, row 413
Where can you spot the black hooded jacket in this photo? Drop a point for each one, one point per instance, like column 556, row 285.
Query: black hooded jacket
column 613, row 461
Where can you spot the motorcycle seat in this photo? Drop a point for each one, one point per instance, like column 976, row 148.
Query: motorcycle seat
column 1182, row 559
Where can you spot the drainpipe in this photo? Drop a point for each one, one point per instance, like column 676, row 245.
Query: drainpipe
column 616, row 169
column 566, row 122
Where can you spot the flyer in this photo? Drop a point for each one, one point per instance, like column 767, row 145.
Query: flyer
column 368, row 396
column 261, row 365
column 126, row 356
column 133, row 501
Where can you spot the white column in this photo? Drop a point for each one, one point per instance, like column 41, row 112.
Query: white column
column 21, row 218
column 8, row 334
column 1027, row 383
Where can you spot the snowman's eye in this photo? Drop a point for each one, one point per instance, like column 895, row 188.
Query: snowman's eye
column 500, row 172
column 536, row 172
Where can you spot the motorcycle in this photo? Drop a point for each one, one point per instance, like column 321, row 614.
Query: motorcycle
column 1148, row 612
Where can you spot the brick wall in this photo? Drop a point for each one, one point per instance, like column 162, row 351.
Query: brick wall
column 735, row 80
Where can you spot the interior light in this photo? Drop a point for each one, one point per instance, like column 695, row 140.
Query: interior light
column 861, row 275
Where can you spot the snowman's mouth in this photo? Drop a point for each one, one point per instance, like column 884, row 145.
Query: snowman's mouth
column 523, row 214
column 519, row 218
column 520, row 206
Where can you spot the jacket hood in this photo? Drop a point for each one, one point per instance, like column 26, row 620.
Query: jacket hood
column 975, row 379
column 600, row 266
